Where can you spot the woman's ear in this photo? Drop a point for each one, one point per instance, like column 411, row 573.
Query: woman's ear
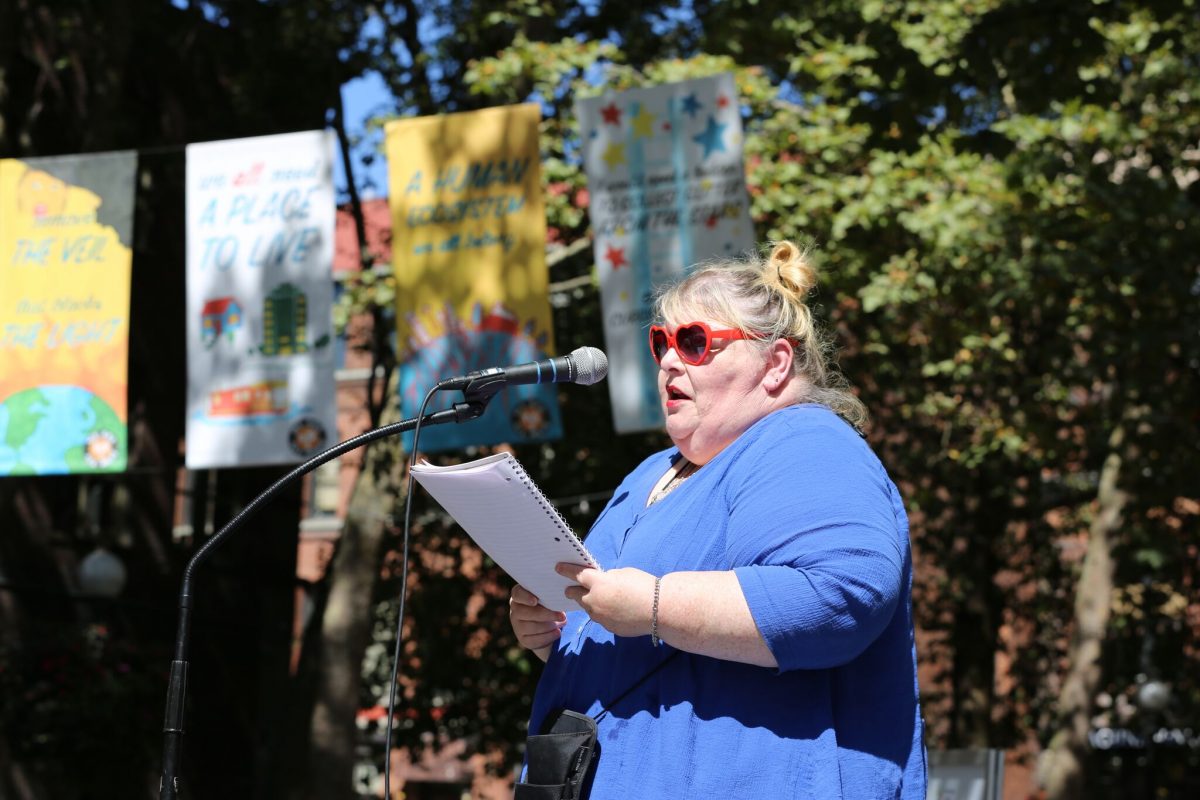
column 779, row 365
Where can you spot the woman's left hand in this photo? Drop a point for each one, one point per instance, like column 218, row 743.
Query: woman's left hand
column 621, row 600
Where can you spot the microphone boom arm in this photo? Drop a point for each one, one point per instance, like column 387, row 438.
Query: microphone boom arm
column 473, row 406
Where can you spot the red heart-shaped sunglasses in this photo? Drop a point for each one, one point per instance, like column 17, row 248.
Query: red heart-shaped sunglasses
column 692, row 341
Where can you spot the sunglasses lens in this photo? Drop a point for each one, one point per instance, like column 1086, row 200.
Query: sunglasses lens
column 658, row 343
column 693, row 343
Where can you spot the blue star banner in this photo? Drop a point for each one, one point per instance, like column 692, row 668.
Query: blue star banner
column 667, row 190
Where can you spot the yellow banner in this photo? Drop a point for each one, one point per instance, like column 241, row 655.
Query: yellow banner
column 65, row 266
column 468, row 244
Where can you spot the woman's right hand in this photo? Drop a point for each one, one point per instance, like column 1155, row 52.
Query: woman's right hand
column 536, row 626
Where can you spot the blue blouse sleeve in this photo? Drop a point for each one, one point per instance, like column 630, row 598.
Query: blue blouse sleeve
column 816, row 543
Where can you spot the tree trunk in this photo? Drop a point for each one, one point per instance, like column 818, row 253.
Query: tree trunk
column 1060, row 770
column 346, row 623
column 343, row 608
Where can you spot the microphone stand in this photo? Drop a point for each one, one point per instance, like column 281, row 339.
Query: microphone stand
column 473, row 406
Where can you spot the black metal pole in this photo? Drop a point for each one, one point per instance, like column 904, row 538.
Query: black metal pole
column 168, row 786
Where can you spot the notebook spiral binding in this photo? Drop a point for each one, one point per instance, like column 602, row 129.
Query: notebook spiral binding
column 552, row 512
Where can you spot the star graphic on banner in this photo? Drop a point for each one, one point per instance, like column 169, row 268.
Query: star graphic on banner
column 614, row 155
column 666, row 126
column 616, row 257
column 706, row 184
column 611, row 114
column 691, row 105
column 624, row 296
column 710, row 139
column 722, row 101
column 643, row 123
column 711, row 222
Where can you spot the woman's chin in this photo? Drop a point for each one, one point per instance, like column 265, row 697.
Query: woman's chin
column 679, row 432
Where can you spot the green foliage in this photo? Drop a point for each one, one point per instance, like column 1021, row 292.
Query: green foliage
column 362, row 291
column 123, row 75
column 1004, row 196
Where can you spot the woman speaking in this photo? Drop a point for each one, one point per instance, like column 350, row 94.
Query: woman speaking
column 751, row 635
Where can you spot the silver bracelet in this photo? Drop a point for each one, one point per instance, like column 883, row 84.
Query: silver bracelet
column 654, row 640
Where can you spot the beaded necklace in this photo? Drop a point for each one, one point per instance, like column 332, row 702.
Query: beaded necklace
column 683, row 471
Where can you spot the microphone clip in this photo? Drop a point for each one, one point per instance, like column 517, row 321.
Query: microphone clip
column 484, row 385
column 478, row 386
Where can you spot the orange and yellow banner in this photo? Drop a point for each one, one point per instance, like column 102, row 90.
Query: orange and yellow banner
column 468, row 249
column 65, row 261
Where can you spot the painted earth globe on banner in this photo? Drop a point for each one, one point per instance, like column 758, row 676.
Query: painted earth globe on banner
column 59, row 429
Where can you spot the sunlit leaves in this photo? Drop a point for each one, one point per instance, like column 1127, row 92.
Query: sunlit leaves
column 1002, row 194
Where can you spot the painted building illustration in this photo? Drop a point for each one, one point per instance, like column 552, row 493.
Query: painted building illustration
column 221, row 315
column 265, row 398
column 285, row 318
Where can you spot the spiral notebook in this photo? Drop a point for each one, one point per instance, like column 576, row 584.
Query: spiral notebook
column 502, row 509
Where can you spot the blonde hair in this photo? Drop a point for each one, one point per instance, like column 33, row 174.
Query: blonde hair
column 765, row 298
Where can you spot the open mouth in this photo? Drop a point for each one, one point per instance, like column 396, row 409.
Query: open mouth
column 675, row 394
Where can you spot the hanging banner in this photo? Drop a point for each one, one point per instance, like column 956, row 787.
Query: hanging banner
column 66, row 228
column 667, row 189
column 468, row 249
column 260, row 221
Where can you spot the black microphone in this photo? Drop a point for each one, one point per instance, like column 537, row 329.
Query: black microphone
column 585, row 365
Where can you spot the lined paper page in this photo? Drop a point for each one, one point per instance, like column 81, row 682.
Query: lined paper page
column 500, row 507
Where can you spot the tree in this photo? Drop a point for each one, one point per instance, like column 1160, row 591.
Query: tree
column 77, row 78
column 1004, row 199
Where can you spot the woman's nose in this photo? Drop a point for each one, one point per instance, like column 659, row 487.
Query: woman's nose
column 671, row 362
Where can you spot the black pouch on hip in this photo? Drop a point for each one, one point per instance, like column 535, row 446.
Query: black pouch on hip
column 558, row 759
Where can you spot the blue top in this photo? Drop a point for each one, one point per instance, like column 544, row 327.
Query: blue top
column 803, row 512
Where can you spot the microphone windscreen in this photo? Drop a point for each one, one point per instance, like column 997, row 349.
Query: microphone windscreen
column 590, row 363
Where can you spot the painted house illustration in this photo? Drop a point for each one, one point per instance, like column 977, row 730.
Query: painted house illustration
column 500, row 320
column 222, row 315
column 285, row 318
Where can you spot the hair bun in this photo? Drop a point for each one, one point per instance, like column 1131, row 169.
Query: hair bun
column 788, row 268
